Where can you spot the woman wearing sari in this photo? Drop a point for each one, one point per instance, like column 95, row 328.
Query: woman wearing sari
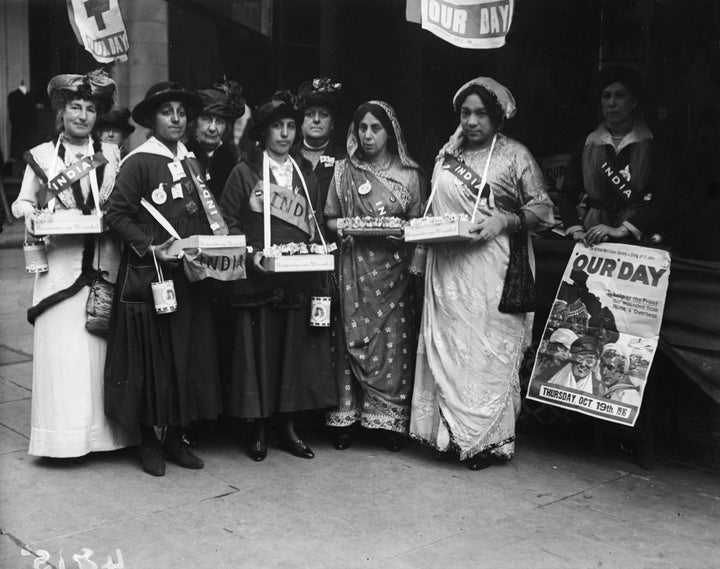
column 375, row 337
column 467, row 389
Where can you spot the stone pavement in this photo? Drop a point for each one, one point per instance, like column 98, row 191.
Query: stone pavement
column 554, row 506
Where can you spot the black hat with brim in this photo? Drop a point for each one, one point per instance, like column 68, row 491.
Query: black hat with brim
column 117, row 118
column 144, row 111
column 281, row 105
column 320, row 93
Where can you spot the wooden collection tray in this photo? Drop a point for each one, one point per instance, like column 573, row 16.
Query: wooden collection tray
column 207, row 242
column 69, row 224
column 458, row 230
column 298, row 263
column 374, row 231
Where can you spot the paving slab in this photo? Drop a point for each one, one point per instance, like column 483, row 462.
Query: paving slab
column 11, row 442
column 20, row 374
column 11, row 391
column 363, row 507
column 618, row 524
column 15, row 415
column 12, row 356
column 57, row 497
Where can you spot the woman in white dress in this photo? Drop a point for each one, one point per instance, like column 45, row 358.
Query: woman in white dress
column 64, row 177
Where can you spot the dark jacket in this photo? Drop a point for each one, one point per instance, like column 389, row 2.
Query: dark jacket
column 326, row 166
column 639, row 160
column 245, row 184
column 217, row 167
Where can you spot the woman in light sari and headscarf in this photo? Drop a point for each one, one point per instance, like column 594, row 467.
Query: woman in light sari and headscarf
column 374, row 347
column 467, row 389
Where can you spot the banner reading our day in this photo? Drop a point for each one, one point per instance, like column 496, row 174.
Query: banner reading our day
column 475, row 24
column 600, row 339
column 99, row 26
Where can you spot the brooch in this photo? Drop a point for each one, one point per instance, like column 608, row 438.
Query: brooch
column 364, row 188
column 191, row 208
column 159, row 195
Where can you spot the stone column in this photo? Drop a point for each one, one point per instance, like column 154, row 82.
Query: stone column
column 15, row 55
column 146, row 22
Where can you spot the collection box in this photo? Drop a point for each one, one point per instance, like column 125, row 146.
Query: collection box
column 207, row 242
column 298, row 263
column 458, row 230
column 68, row 224
column 374, row 231
column 372, row 226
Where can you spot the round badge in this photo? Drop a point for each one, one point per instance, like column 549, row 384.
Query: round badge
column 365, row 188
column 159, row 196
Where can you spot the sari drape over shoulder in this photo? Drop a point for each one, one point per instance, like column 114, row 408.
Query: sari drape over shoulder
column 467, row 390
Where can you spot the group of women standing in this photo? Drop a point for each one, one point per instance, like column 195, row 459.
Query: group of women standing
column 449, row 378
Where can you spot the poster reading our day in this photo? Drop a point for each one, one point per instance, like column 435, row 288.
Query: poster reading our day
column 474, row 24
column 600, row 339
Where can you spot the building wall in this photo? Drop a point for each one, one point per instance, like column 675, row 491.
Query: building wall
column 146, row 22
column 14, row 59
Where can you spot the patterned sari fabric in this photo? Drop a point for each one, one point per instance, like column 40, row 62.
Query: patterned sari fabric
column 375, row 334
column 467, row 390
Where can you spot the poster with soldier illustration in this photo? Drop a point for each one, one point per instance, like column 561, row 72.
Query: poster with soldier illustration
column 600, row 338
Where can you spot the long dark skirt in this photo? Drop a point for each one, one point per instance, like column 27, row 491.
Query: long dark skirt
column 279, row 363
column 162, row 369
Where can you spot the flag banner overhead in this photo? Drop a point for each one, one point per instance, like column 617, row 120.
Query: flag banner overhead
column 600, row 339
column 474, row 24
column 99, row 26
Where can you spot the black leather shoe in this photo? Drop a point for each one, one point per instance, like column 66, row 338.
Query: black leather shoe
column 479, row 462
column 152, row 459
column 297, row 447
column 258, row 451
column 343, row 438
column 392, row 442
column 178, row 451
column 441, row 455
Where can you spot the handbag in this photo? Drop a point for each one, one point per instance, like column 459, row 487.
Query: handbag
column 518, row 293
column 99, row 303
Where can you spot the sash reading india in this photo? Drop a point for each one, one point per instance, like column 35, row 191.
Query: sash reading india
column 600, row 339
column 475, row 24
column 99, row 26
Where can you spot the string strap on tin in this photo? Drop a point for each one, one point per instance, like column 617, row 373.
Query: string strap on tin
column 157, row 266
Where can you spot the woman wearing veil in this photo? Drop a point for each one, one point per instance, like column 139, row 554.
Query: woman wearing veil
column 375, row 338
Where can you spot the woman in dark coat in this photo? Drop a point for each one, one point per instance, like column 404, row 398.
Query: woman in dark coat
column 619, row 169
column 280, row 364
column 161, row 369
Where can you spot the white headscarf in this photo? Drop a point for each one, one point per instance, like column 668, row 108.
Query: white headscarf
column 503, row 94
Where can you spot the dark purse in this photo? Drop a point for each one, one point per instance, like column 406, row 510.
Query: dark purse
column 99, row 305
column 518, row 293
column 99, row 302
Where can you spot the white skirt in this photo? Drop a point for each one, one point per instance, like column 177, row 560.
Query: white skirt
column 68, row 417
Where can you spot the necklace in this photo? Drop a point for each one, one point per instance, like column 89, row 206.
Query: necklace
column 316, row 148
column 378, row 168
